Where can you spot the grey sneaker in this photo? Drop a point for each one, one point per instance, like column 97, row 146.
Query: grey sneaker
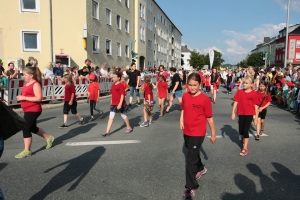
column 151, row 121
column 91, row 119
column 128, row 130
column 144, row 124
column 81, row 122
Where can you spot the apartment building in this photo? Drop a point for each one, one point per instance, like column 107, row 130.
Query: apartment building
column 100, row 30
column 159, row 36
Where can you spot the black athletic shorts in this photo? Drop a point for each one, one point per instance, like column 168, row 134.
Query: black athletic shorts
column 73, row 108
column 262, row 114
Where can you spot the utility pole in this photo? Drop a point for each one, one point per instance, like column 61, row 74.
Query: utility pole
column 287, row 33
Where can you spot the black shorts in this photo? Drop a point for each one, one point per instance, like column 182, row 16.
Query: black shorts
column 262, row 114
column 73, row 108
column 124, row 109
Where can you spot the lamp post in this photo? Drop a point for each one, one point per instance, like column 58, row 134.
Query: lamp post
column 287, row 32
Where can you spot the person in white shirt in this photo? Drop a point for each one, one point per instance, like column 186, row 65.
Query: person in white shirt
column 103, row 70
column 48, row 71
column 224, row 77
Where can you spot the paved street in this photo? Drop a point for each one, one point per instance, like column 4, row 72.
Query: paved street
column 151, row 165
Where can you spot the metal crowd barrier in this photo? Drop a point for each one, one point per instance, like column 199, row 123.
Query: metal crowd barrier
column 55, row 89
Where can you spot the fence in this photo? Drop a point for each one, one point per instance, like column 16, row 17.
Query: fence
column 55, row 89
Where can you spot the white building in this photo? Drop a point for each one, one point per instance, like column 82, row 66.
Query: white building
column 185, row 52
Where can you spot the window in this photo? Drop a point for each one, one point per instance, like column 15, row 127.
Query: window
column 95, row 10
column 297, row 56
column 95, row 44
column 127, row 51
column 298, row 43
column 108, row 47
column 108, row 16
column 126, row 26
column 31, row 40
column 29, row 5
column 149, row 44
column 118, row 22
column 150, row 25
column 154, row 22
column 127, row 3
column 142, row 11
column 142, row 33
column 118, row 49
column 154, row 39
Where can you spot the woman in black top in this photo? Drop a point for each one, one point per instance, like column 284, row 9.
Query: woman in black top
column 175, row 88
column 213, row 81
column 229, row 81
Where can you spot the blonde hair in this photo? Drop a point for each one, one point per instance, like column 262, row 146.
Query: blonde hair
column 34, row 63
column 248, row 79
column 49, row 65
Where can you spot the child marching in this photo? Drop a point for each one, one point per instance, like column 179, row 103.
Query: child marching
column 117, row 104
column 93, row 96
column 70, row 101
column 196, row 112
column 245, row 101
column 214, row 84
column 162, row 93
column 264, row 100
column 148, row 102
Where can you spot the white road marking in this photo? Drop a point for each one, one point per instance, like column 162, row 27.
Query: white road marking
column 226, row 136
column 95, row 143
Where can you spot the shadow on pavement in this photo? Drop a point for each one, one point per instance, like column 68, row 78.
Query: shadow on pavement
column 232, row 134
column 45, row 119
column 70, row 134
column 76, row 168
column 134, row 122
column 284, row 185
column 2, row 166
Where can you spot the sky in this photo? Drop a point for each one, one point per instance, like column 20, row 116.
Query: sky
column 232, row 27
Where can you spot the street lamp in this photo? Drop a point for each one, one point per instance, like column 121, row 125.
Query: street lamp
column 270, row 48
column 287, row 32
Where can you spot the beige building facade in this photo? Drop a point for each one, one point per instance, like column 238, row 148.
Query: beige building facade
column 100, row 30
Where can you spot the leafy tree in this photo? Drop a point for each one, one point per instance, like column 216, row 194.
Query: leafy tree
column 243, row 63
column 196, row 60
column 255, row 59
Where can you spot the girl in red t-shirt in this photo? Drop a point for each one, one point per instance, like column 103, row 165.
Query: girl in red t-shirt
column 148, row 102
column 93, row 95
column 214, row 84
column 245, row 101
column 196, row 112
column 31, row 104
column 264, row 100
column 162, row 93
column 70, row 101
column 117, row 104
column 207, row 83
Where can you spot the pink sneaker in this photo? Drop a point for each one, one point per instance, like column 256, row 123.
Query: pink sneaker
column 200, row 173
column 189, row 193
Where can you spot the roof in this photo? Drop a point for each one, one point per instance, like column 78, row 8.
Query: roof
column 185, row 49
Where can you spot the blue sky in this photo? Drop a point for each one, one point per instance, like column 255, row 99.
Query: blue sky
column 229, row 26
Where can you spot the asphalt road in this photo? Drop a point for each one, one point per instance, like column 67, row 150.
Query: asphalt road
column 152, row 165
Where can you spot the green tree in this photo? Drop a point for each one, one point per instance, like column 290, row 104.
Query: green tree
column 196, row 60
column 255, row 59
column 243, row 63
column 218, row 60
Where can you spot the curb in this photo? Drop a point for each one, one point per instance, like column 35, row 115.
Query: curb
column 58, row 105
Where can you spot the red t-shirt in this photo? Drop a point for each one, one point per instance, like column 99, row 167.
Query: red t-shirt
column 148, row 91
column 162, row 88
column 196, row 111
column 29, row 106
column 164, row 73
column 207, row 81
column 246, row 102
column 93, row 89
column 117, row 90
column 69, row 90
column 260, row 97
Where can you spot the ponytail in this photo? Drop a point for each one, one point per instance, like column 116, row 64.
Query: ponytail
column 35, row 71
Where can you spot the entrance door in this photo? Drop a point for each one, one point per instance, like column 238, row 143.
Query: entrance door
column 142, row 63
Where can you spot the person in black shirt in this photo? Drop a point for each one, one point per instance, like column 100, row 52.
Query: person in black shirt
column 83, row 73
column 214, row 82
column 30, row 60
column 175, row 88
column 134, row 78
column 88, row 64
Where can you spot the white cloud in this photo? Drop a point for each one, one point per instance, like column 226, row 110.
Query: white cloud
column 295, row 4
column 206, row 50
column 239, row 44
